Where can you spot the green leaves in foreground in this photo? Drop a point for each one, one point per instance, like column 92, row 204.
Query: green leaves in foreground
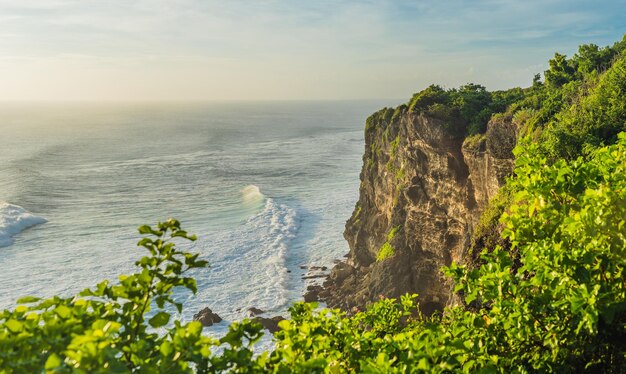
column 106, row 328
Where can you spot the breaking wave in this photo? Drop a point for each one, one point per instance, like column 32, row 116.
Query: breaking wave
column 13, row 220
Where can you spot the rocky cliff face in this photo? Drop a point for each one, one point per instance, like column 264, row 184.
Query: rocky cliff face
column 422, row 193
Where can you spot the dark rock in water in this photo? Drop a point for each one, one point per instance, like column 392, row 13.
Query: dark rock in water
column 206, row 317
column 313, row 276
column 270, row 324
column 254, row 312
column 322, row 268
column 312, row 293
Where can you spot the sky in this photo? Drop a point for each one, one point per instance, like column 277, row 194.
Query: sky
column 153, row 50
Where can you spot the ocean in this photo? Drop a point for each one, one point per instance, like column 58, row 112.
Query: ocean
column 267, row 187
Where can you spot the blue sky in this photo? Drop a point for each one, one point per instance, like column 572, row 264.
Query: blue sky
column 270, row 49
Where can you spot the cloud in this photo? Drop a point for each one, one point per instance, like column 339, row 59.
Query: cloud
column 301, row 49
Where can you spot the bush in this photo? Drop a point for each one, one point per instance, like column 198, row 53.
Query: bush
column 111, row 328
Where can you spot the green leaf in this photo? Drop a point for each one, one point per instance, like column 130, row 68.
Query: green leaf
column 63, row 311
column 145, row 229
column 28, row 299
column 14, row 326
column 166, row 348
column 53, row 362
column 159, row 319
column 145, row 242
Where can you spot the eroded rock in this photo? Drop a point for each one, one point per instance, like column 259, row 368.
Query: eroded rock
column 251, row 312
column 420, row 182
column 270, row 324
column 206, row 317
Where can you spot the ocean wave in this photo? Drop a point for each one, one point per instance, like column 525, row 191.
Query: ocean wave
column 251, row 195
column 13, row 220
column 251, row 266
column 278, row 226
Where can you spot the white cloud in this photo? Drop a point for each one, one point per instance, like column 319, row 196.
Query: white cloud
column 183, row 49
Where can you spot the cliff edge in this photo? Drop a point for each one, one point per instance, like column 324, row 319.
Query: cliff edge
column 423, row 189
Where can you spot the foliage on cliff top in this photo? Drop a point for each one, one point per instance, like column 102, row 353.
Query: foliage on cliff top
column 466, row 110
column 581, row 104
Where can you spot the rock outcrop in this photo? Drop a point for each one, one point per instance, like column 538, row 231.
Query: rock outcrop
column 270, row 324
column 206, row 317
column 251, row 312
column 422, row 192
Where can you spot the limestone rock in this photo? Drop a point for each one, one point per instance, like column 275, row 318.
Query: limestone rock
column 420, row 182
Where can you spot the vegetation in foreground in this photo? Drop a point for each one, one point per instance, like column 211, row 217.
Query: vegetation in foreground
column 553, row 300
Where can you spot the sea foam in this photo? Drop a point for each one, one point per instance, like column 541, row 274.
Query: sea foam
column 13, row 220
column 252, row 195
column 250, row 266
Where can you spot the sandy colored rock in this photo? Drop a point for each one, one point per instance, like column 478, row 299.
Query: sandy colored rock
column 419, row 180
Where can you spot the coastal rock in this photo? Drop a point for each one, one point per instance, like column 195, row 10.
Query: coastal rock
column 270, row 324
column 313, row 293
column 251, row 312
column 422, row 193
column 206, row 317
column 314, row 276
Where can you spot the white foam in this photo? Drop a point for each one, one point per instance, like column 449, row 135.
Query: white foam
column 250, row 268
column 278, row 226
column 13, row 220
column 252, row 195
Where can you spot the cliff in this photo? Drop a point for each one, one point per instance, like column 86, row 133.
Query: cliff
column 423, row 189
column 427, row 189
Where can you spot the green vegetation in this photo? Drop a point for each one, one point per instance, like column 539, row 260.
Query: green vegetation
column 392, row 155
column 474, row 142
column 387, row 250
column 397, row 191
column 549, row 106
column 110, row 328
column 487, row 233
column 394, row 146
column 466, row 110
column 383, row 116
column 546, row 291
column 400, row 174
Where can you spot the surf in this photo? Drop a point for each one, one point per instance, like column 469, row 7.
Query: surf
column 13, row 220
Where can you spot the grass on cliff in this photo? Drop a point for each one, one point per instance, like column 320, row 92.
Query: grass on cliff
column 387, row 250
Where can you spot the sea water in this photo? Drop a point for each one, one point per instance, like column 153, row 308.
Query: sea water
column 267, row 187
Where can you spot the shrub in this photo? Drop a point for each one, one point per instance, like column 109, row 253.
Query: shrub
column 111, row 328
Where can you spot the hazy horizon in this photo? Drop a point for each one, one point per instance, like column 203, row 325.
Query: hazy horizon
column 210, row 51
